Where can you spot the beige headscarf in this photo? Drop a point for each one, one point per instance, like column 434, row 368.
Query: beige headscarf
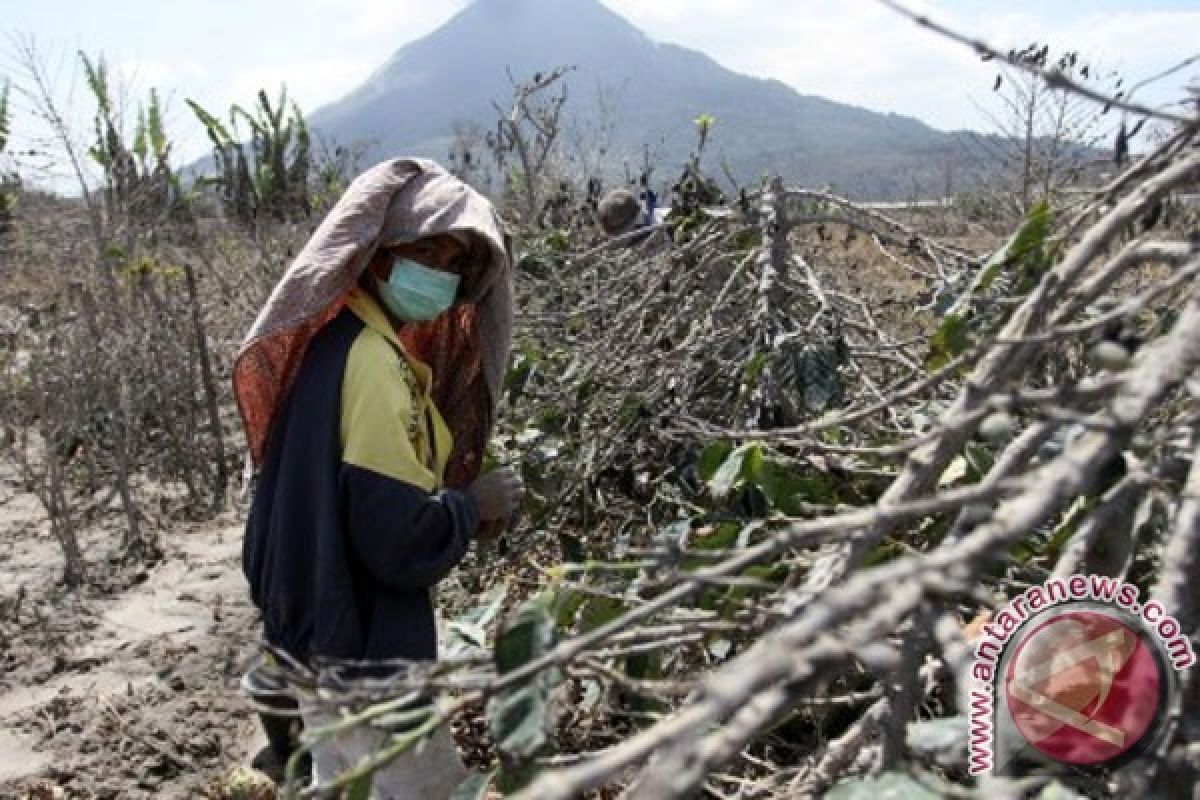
column 467, row 347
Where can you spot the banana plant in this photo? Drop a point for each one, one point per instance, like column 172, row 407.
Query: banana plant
column 232, row 178
column 138, row 178
column 268, row 173
column 4, row 122
column 107, row 150
column 7, row 197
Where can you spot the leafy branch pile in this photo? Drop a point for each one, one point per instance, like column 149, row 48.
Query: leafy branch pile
column 773, row 490
column 779, row 521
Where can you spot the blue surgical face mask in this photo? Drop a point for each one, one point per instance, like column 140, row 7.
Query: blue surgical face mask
column 417, row 293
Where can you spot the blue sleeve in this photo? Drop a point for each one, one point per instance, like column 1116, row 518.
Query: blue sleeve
column 406, row 537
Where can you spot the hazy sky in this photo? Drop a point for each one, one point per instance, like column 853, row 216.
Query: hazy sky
column 856, row 51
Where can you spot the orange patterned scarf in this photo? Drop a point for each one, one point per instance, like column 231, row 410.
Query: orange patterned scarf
column 467, row 348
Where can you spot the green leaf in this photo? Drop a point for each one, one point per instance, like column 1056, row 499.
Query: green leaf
column 217, row 132
column 529, row 634
column 731, row 601
column 559, row 240
column 723, row 538
column 645, row 667
column 733, row 469
column 1025, row 248
column 361, row 788
column 754, row 369
column 951, row 340
column 114, row 252
column 979, row 459
column 818, row 375
column 97, row 80
column 517, row 717
column 598, row 611
column 100, row 157
column 632, row 409
column 1029, row 548
column 888, row 786
column 833, row 436
column 553, row 420
column 992, row 267
column 1039, row 544
column 572, row 548
column 566, row 606
column 513, row 777
column 786, row 488
column 711, row 459
column 781, row 486
column 1071, row 521
column 887, row 550
column 474, row 787
column 1032, row 233
column 469, row 631
column 769, row 573
column 154, row 126
column 970, row 467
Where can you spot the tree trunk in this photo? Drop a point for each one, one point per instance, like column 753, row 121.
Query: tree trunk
column 55, row 502
column 211, row 398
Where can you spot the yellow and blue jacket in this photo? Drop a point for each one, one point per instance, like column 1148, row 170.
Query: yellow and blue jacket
column 350, row 526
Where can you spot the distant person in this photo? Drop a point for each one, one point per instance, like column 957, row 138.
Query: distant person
column 649, row 206
column 620, row 212
column 368, row 387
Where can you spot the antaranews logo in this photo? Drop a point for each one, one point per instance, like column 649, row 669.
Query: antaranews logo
column 1077, row 671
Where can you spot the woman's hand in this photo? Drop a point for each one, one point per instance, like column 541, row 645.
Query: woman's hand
column 498, row 494
column 491, row 531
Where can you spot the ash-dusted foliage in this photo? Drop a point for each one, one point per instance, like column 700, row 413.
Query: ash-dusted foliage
column 785, row 455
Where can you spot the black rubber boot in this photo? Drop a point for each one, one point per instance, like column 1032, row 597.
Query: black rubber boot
column 282, row 733
column 269, row 692
column 283, row 736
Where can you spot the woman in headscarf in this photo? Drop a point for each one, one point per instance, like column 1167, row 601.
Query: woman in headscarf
column 368, row 387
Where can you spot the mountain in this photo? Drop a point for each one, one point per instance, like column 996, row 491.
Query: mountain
column 412, row 103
